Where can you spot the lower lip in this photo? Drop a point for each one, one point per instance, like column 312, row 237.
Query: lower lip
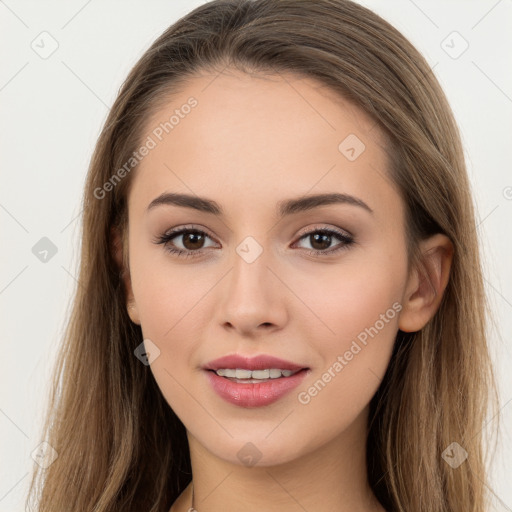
column 254, row 395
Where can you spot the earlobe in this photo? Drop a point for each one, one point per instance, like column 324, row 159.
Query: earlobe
column 133, row 313
column 426, row 285
column 118, row 249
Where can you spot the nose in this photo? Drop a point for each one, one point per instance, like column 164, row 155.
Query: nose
column 253, row 296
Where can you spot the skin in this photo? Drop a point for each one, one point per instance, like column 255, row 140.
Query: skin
column 251, row 142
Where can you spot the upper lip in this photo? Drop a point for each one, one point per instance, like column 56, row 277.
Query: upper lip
column 261, row 362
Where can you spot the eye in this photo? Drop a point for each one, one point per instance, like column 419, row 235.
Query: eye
column 193, row 240
column 320, row 240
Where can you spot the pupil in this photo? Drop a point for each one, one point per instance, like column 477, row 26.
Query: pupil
column 322, row 239
column 195, row 238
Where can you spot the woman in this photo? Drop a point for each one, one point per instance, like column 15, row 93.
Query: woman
column 282, row 303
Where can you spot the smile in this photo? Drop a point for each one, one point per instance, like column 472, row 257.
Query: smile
column 252, row 376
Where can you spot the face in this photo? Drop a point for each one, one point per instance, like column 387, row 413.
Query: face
column 318, row 285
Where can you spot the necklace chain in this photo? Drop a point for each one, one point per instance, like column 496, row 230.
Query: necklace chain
column 192, row 509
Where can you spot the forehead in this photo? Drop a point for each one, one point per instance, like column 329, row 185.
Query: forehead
column 259, row 136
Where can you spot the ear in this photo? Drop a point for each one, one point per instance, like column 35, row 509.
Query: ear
column 426, row 284
column 119, row 253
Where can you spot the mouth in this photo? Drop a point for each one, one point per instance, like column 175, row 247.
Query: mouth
column 253, row 382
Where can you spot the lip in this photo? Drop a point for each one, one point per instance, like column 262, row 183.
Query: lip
column 254, row 394
column 260, row 362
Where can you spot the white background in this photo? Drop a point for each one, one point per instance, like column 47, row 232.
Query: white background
column 52, row 111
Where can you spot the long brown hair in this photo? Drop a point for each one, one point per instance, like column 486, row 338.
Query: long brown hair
column 120, row 446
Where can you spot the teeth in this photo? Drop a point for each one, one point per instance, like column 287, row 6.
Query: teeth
column 226, row 373
column 260, row 374
column 239, row 373
column 242, row 374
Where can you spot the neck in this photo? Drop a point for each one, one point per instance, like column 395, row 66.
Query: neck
column 332, row 477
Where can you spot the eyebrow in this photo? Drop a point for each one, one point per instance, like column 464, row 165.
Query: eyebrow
column 284, row 208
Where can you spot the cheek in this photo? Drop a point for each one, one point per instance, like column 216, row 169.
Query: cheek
column 345, row 299
column 168, row 303
column 166, row 294
column 359, row 308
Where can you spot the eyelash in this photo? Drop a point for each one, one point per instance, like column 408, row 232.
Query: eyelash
column 346, row 240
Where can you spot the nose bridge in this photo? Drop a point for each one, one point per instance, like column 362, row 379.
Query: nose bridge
column 250, row 274
column 251, row 296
